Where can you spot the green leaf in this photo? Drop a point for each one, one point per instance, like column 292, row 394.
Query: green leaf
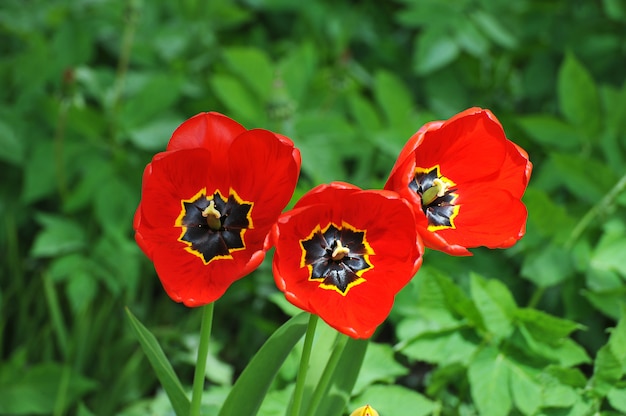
column 298, row 69
column 545, row 217
column 524, row 387
column 344, row 378
column 608, row 254
column 588, row 179
column 603, row 280
column 471, row 39
column 115, row 200
column 614, row 123
column 40, row 173
column 95, row 171
column 491, row 26
column 423, row 13
column 458, row 302
column 276, row 402
column 562, row 351
column 495, row 303
column 434, row 50
column 150, row 95
column 551, row 132
column 11, row 148
column 556, row 393
column 364, row 113
column 488, row 375
column 548, row 267
column 546, row 328
column 252, row 385
column 607, row 370
column 380, row 365
column 254, row 68
column 62, row 267
column 615, row 9
column 162, row 367
column 81, row 290
column 617, row 398
column 323, row 149
column 578, row 96
column 446, row 92
column 441, row 348
column 609, row 302
column 59, row 236
column 238, row 98
column 395, row 400
column 393, row 98
column 611, row 359
column 41, row 388
column 439, row 300
column 568, row 376
column 155, row 134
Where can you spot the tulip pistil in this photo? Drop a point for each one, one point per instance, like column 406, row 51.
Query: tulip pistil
column 340, row 251
column 212, row 216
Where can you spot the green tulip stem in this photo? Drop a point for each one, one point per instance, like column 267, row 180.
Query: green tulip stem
column 203, row 353
column 324, row 383
column 304, row 365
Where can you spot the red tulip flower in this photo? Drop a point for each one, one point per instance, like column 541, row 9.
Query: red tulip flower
column 208, row 203
column 465, row 180
column 343, row 253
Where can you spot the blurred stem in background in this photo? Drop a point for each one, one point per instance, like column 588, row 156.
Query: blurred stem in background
column 131, row 17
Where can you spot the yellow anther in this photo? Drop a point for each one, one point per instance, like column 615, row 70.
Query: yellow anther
column 212, row 216
column 365, row 411
column 340, row 251
column 442, row 187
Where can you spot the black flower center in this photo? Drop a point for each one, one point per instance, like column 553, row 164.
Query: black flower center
column 336, row 257
column 438, row 195
column 213, row 226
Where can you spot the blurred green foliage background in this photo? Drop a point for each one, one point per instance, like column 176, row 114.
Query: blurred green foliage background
column 91, row 89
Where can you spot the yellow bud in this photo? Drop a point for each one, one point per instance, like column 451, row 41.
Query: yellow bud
column 366, row 410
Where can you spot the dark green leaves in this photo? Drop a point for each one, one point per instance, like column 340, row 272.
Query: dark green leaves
column 92, row 90
column 578, row 96
column 43, row 389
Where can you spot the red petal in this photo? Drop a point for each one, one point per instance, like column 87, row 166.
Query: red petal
column 212, row 131
column 487, row 217
column 187, row 279
column 173, row 177
column 358, row 314
column 515, row 171
column 264, row 169
column 468, row 148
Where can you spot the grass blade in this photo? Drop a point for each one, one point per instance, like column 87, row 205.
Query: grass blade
column 162, row 367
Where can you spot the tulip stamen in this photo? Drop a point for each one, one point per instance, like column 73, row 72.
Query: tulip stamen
column 212, row 216
column 438, row 190
column 340, row 251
